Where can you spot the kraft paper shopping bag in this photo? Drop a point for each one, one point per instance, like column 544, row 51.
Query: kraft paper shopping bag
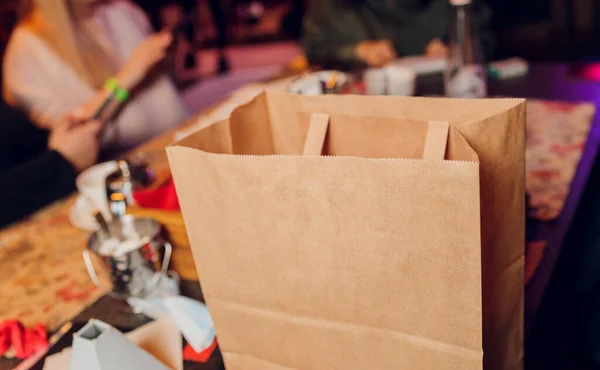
column 400, row 246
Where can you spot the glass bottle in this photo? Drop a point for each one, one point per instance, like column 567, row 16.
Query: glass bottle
column 465, row 75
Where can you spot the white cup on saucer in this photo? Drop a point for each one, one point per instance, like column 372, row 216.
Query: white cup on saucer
column 376, row 81
column 91, row 183
column 400, row 80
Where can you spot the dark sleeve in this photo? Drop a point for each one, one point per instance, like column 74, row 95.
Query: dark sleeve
column 27, row 187
column 20, row 140
column 413, row 35
column 331, row 32
column 416, row 30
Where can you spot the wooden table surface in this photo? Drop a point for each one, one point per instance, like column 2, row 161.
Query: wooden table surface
column 544, row 82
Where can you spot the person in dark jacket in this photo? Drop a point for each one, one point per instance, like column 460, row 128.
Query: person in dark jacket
column 375, row 32
column 38, row 167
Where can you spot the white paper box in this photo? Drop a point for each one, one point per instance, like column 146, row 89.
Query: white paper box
column 99, row 346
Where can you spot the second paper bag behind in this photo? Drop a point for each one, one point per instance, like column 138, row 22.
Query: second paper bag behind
column 374, row 255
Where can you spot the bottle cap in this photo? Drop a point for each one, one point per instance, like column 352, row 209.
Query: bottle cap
column 460, row 2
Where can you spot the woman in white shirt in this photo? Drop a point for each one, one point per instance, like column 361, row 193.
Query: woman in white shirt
column 68, row 55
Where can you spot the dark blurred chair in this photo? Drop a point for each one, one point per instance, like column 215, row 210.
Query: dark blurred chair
column 581, row 27
column 8, row 18
column 547, row 29
column 533, row 29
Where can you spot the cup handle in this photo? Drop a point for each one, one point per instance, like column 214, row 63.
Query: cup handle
column 167, row 257
column 165, row 265
column 87, row 259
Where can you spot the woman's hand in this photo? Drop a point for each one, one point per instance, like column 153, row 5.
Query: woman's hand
column 436, row 48
column 77, row 140
column 152, row 50
column 376, row 53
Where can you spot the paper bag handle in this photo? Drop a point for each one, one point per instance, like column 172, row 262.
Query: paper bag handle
column 317, row 131
column 435, row 140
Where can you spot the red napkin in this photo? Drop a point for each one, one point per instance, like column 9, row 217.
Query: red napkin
column 164, row 197
column 24, row 341
column 190, row 355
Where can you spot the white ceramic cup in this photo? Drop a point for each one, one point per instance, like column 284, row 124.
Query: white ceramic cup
column 92, row 184
column 400, row 80
column 375, row 81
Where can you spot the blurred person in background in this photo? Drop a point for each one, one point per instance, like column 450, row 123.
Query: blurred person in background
column 168, row 14
column 375, row 32
column 184, row 62
column 38, row 167
column 70, row 54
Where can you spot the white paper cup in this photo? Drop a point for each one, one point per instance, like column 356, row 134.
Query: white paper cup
column 92, row 184
column 375, row 81
column 400, row 80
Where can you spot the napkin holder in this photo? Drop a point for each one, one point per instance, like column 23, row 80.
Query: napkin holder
column 99, row 346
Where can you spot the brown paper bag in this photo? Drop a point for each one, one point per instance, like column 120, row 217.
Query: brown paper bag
column 401, row 248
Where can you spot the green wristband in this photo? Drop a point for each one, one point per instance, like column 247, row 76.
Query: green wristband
column 112, row 85
column 120, row 94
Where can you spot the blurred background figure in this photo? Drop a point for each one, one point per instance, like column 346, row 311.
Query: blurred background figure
column 292, row 22
column 38, row 167
column 168, row 15
column 63, row 52
column 376, row 32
